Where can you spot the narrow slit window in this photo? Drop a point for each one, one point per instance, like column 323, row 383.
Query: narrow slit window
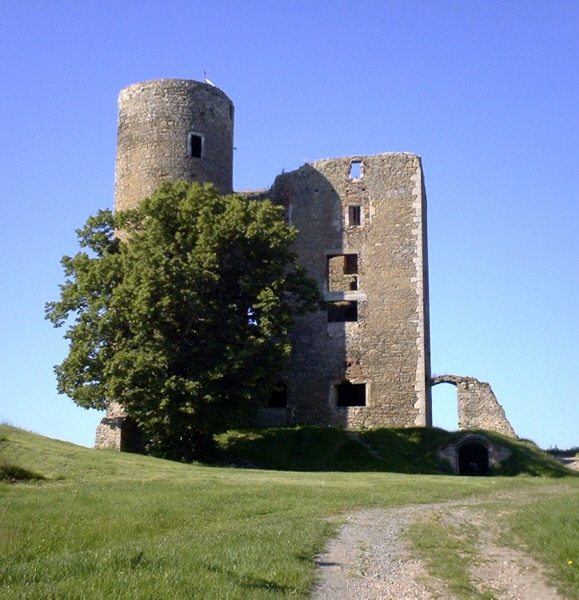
column 195, row 145
column 354, row 215
column 351, row 394
column 356, row 169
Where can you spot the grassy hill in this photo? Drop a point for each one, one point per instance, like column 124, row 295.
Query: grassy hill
column 411, row 450
column 97, row 524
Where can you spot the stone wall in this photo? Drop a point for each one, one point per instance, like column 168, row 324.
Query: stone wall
column 478, row 407
column 109, row 430
column 156, row 121
column 363, row 238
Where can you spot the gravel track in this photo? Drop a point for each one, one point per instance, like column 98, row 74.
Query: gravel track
column 370, row 559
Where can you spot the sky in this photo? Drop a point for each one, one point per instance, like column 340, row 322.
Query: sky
column 485, row 91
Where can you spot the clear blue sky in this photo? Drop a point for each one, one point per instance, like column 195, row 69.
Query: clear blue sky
column 486, row 91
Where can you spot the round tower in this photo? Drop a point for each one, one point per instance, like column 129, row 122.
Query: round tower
column 172, row 129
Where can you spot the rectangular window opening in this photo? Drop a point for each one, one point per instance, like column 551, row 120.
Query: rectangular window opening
column 278, row 396
column 354, row 215
column 356, row 169
column 351, row 394
column 342, row 273
column 342, row 312
column 195, row 145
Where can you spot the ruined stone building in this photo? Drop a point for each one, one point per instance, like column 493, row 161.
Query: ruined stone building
column 365, row 362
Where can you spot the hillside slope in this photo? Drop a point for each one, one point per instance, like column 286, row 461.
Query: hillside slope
column 104, row 525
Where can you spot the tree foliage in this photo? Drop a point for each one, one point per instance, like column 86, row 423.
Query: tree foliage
column 184, row 316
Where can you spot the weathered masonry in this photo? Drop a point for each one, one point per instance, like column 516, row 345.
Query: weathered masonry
column 362, row 234
column 478, row 407
column 365, row 360
column 172, row 129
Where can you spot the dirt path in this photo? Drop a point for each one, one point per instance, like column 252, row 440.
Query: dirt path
column 372, row 559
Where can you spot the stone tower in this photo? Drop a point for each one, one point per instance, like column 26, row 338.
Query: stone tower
column 168, row 130
column 172, row 129
column 365, row 362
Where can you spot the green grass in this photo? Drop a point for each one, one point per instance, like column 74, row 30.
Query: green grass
column 542, row 522
column 115, row 526
column 11, row 472
column 449, row 552
column 549, row 527
column 411, row 450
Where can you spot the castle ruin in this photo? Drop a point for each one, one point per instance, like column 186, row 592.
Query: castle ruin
column 365, row 362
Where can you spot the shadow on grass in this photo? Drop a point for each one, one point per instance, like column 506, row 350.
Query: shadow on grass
column 251, row 582
column 412, row 450
column 10, row 473
column 13, row 473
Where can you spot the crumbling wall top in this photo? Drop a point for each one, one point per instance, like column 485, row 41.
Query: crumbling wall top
column 478, row 407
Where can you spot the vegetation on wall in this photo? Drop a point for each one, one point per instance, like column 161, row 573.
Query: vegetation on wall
column 184, row 317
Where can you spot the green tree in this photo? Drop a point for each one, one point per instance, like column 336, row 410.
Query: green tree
column 184, row 316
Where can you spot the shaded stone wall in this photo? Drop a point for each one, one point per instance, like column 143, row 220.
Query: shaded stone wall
column 478, row 407
column 373, row 223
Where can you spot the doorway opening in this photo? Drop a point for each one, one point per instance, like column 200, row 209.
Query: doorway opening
column 473, row 459
column 131, row 438
column 445, row 407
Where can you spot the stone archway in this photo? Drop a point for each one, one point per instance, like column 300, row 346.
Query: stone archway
column 473, row 454
column 444, row 407
column 478, row 407
column 473, row 458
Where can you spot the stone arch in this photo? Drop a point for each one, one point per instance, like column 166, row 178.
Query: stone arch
column 444, row 407
column 478, row 407
column 486, row 454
